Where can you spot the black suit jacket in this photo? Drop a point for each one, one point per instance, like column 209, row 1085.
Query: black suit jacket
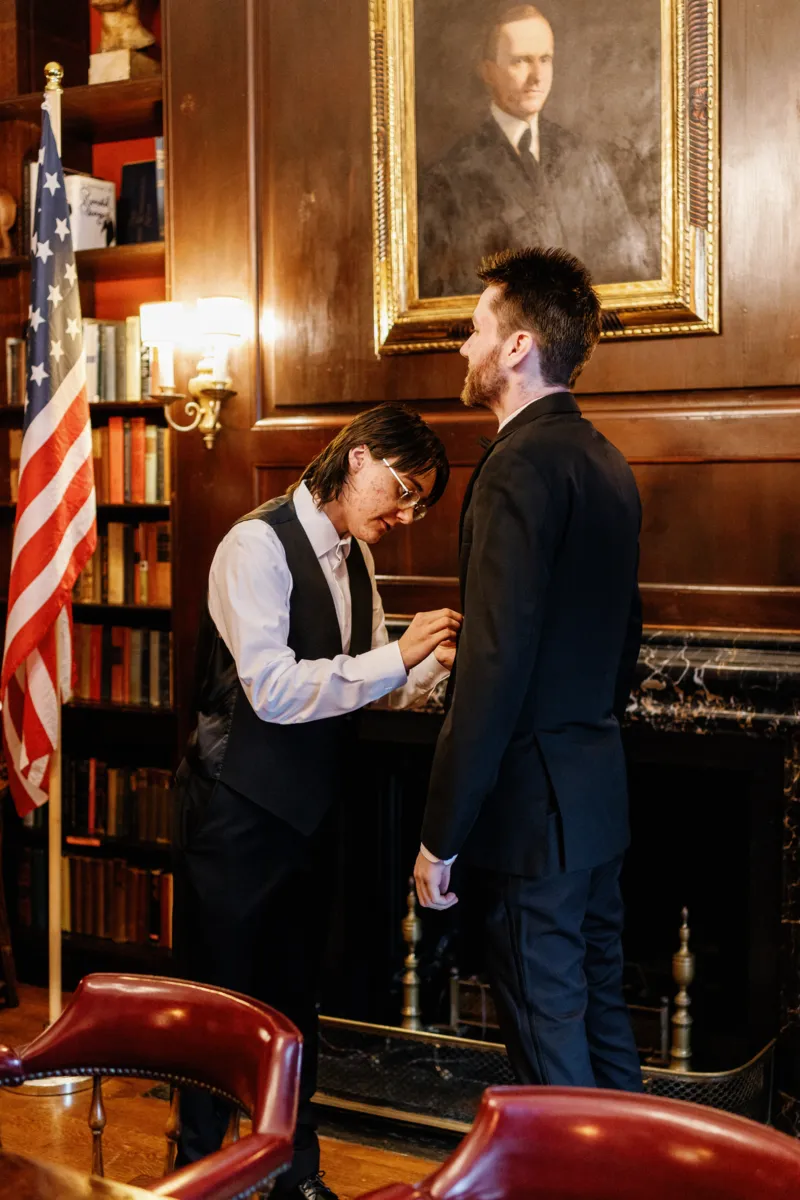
column 530, row 754
column 480, row 199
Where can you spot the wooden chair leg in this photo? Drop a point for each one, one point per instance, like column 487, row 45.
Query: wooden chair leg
column 173, row 1131
column 97, row 1123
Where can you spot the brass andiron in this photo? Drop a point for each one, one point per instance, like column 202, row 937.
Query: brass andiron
column 412, row 932
column 683, row 974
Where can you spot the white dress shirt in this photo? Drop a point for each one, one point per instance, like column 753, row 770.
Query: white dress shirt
column 514, row 127
column 249, row 589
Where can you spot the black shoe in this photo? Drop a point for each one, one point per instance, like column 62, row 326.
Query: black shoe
column 312, row 1189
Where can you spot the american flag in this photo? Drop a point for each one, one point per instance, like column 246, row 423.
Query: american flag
column 55, row 531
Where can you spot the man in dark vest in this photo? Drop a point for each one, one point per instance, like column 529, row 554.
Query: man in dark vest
column 528, row 784
column 293, row 641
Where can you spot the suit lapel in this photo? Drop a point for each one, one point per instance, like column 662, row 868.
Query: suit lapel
column 468, row 493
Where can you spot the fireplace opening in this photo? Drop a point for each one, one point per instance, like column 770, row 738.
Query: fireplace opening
column 706, row 825
column 706, row 815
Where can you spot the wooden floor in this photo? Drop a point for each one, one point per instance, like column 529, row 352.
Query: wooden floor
column 55, row 1129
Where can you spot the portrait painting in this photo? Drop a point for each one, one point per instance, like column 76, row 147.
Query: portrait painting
column 585, row 124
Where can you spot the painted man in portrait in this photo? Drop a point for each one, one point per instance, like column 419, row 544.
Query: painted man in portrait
column 520, row 180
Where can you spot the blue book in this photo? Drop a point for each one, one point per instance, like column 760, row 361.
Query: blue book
column 160, row 169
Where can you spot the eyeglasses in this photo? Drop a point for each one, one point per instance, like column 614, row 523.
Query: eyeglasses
column 408, row 499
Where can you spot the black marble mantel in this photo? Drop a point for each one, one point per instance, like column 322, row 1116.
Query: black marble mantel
column 702, row 681
column 708, row 682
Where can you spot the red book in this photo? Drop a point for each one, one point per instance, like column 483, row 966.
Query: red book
column 95, row 663
column 151, row 557
column 137, row 459
column 126, row 665
column 116, row 461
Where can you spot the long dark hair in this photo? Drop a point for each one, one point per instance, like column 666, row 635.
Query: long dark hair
column 391, row 431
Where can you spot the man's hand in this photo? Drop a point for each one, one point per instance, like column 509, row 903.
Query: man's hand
column 427, row 631
column 433, row 881
column 445, row 654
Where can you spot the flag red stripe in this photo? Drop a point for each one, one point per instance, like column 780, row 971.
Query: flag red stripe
column 47, row 459
column 33, row 630
column 38, row 551
column 43, row 467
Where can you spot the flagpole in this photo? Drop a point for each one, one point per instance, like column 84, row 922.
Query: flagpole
column 54, row 74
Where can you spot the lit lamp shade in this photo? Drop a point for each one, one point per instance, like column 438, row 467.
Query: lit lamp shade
column 221, row 322
column 162, row 323
column 221, row 316
column 163, row 326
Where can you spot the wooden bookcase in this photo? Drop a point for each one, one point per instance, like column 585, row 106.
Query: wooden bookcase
column 101, row 124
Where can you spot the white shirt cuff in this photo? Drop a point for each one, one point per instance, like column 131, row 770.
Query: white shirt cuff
column 384, row 665
column 448, row 862
column 428, row 674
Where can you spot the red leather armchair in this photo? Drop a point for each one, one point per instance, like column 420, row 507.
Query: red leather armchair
column 186, row 1033
column 587, row 1144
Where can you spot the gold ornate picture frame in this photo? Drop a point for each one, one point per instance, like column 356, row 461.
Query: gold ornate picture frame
column 681, row 298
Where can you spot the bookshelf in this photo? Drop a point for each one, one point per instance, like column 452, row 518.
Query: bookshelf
column 136, row 261
column 103, row 126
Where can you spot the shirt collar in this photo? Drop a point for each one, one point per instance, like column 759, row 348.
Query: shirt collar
column 318, row 526
column 514, row 128
column 527, row 404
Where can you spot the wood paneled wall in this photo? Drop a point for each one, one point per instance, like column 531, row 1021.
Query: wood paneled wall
column 269, row 185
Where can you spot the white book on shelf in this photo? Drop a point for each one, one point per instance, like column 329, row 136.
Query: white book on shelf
column 91, row 348
column 150, row 464
column 133, row 359
column 92, row 209
column 108, row 359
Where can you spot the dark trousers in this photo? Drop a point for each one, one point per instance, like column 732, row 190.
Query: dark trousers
column 554, row 958
column 250, row 902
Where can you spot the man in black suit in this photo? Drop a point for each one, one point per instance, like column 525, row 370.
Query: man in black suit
column 528, row 785
column 519, row 179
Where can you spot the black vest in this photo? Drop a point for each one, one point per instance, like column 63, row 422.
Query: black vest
column 294, row 771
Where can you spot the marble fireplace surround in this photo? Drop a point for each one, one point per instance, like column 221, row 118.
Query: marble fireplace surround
column 715, row 682
column 704, row 682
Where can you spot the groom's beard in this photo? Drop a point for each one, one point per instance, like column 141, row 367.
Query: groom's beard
column 484, row 385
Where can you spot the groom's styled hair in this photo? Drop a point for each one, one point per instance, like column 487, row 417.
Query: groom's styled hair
column 548, row 293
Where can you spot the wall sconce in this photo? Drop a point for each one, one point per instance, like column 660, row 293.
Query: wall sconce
column 219, row 322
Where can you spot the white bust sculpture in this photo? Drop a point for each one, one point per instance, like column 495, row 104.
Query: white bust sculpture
column 122, row 29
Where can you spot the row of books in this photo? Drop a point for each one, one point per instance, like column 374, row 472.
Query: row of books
column 131, row 565
column 131, row 461
column 123, row 666
column 100, row 897
column 118, row 367
column 99, row 801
